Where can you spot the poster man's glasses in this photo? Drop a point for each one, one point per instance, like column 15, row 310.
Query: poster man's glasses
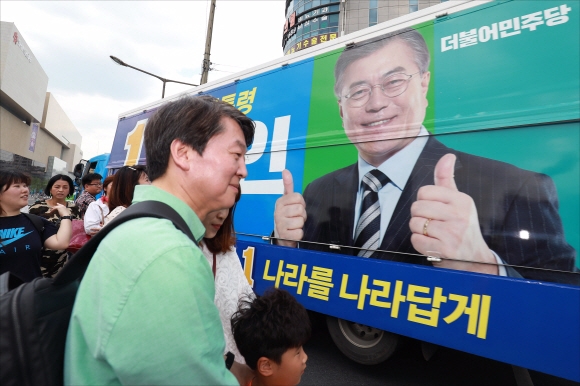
column 392, row 86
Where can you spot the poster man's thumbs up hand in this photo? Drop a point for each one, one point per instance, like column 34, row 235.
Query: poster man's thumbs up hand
column 289, row 214
column 445, row 172
column 444, row 223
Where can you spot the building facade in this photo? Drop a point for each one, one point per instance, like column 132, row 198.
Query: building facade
column 312, row 22
column 36, row 135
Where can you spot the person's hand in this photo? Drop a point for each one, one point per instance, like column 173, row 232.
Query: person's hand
column 289, row 214
column 93, row 231
column 243, row 373
column 444, row 223
column 61, row 209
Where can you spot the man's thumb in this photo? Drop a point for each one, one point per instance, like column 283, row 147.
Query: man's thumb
column 444, row 172
column 288, row 181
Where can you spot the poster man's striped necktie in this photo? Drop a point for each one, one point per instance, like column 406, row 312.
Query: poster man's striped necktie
column 368, row 229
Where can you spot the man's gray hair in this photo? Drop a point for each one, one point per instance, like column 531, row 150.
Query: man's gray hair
column 409, row 36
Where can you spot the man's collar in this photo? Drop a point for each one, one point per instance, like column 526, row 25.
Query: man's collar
column 151, row 192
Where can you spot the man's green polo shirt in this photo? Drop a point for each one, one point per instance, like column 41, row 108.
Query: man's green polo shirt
column 144, row 312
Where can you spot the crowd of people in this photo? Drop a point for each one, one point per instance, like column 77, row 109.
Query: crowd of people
column 199, row 321
column 25, row 247
column 94, row 213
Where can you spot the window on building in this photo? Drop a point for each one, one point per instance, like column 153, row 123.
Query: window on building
column 290, row 9
column 333, row 22
column 413, row 5
column 373, row 12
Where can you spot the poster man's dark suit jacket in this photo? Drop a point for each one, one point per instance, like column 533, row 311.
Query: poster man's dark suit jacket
column 508, row 200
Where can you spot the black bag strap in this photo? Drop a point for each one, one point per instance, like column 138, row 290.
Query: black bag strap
column 9, row 281
column 36, row 221
column 77, row 265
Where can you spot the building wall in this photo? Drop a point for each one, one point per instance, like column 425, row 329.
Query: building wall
column 24, row 102
column 56, row 122
column 72, row 156
column 357, row 11
column 318, row 21
column 15, row 138
column 23, row 82
column 309, row 23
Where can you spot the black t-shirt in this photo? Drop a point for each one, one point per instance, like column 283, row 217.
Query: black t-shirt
column 21, row 246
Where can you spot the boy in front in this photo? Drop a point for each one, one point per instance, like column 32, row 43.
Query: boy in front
column 269, row 332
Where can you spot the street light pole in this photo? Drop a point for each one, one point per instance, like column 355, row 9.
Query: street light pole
column 164, row 80
column 206, row 63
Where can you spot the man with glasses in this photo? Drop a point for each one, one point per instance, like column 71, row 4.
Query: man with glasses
column 92, row 185
column 408, row 193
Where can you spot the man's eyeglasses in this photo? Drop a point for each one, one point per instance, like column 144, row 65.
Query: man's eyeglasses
column 391, row 86
column 99, row 184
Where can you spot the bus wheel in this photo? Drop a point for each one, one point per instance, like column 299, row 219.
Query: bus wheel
column 362, row 344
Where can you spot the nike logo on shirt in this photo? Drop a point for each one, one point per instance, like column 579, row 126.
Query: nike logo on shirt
column 10, row 235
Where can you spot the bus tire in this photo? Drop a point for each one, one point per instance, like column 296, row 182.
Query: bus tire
column 362, row 344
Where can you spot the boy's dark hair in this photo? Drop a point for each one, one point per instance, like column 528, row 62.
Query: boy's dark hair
column 124, row 183
column 59, row 177
column 269, row 325
column 90, row 178
column 9, row 177
column 192, row 120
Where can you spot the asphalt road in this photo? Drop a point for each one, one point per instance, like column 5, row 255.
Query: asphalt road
column 328, row 366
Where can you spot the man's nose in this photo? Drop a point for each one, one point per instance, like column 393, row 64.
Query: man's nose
column 242, row 170
column 377, row 100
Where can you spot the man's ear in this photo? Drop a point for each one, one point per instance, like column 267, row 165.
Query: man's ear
column 265, row 367
column 180, row 154
column 340, row 109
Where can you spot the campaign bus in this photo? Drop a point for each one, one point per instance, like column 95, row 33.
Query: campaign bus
column 496, row 84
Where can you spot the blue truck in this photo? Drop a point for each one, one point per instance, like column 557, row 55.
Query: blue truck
column 97, row 164
column 501, row 85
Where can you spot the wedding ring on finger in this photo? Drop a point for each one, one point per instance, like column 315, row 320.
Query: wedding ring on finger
column 425, row 233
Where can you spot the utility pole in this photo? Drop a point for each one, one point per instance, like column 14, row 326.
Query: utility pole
column 206, row 63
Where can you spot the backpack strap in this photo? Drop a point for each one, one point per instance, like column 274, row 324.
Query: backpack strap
column 36, row 221
column 77, row 265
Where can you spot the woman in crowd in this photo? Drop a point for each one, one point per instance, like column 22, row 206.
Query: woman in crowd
column 122, row 189
column 58, row 189
column 218, row 246
column 97, row 210
column 22, row 243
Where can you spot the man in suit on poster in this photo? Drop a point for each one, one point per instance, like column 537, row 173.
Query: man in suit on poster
column 410, row 194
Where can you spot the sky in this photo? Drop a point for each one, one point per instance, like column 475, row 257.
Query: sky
column 72, row 41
